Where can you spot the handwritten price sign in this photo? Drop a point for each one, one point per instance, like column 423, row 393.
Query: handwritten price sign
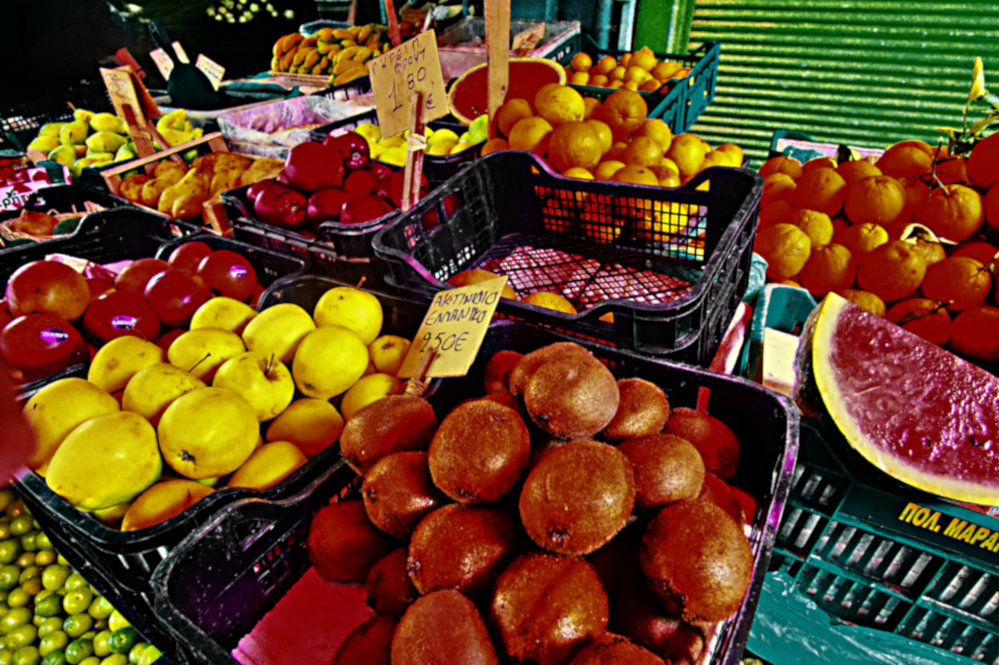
column 397, row 75
column 454, row 326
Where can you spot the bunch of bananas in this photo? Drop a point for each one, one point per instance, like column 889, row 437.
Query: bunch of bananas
column 338, row 52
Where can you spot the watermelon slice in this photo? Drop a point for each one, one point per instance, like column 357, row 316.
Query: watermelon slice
column 467, row 96
column 914, row 410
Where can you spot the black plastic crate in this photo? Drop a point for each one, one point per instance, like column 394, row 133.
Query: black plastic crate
column 671, row 291
column 437, row 168
column 684, row 99
column 20, row 122
column 66, row 200
column 872, row 551
column 222, row 579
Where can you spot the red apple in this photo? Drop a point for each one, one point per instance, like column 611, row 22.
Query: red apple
column 5, row 316
column 326, row 204
column 352, row 146
column 253, row 190
column 310, row 166
column 41, row 344
column 431, row 219
column 360, row 182
column 119, row 313
column 186, row 257
column 99, row 287
column 136, row 275
column 175, row 296
column 229, row 274
column 47, row 286
column 166, row 339
column 363, row 208
column 281, row 206
column 380, row 169
column 394, row 187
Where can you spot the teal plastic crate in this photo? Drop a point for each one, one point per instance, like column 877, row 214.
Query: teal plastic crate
column 874, row 552
column 685, row 98
column 783, row 308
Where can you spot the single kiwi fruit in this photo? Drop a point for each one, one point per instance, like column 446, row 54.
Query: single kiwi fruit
column 390, row 591
column 717, row 443
column 667, row 469
column 720, row 493
column 391, row 424
column 397, row 492
column 611, row 649
column 496, row 375
column 526, row 366
column 343, row 545
column 479, row 452
column 546, row 608
column 462, row 547
column 442, row 627
column 642, row 409
column 368, row 644
column 571, row 398
column 577, row 497
column 697, row 560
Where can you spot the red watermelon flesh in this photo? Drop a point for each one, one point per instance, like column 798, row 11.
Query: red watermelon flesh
column 467, row 96
column 914, row 410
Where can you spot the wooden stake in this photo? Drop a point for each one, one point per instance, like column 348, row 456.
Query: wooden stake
column 418, row 385
column 497, row 57
column 414, row 155
column 393, row 23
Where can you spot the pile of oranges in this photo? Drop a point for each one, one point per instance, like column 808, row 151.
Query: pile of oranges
column 848, row 228
column 582, row 137
column 640, row 70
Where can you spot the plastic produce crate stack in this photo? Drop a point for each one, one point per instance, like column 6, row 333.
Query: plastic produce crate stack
column 19, row 123
column 215, row 587
column 684, row 101
column 119, row 563
column 670, row 265
column 61, row 201
column 875, row 552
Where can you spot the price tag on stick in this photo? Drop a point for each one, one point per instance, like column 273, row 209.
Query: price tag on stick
column 454, row 327
column 416, row 144
column 164, row 62
column 411, row 67
column 213, row 70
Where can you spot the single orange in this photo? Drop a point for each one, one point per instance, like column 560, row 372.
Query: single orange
column 650, row 86
column 917, row 193
column 960, row 281
column 559, row 104
column 734, row 152
column 906, row 158
column 856, row 169
column 975, row 333
column 877, row 198
column 862, row 238
column 532, row 134
column 777, row 187
column 777, row 212
column 599, row 81
column 581, row 62
column 629, row 85
column 983, row 162
column 624, row 112
column 951, row 170
column 618, row 72
column 954, row 212
column 578, row 172
column 606, row 169
column 636, row 174
column 606, row 63
column 688, row 151
column 828, row 268
column 980, row 251
column 991, row 204
column 717, row 158
column 865, row 299
column 492, row 145
column 575, row 143
column 637, row 74
column 816, row 225
column 603, row 132
column 550, row 300
column 644, row 151
column 930, row 251
column 657, row 130
column 820, row 189
column 615, row 83
column 644, row 58
column 819, row 163
column 922, row 316
column 891, row 271
column 616, row 151
column 781, row 164
column 785, row 248
column 590, row 104
column 668, row 174
column 510, row 112
column 665, row 70
column 579, row 78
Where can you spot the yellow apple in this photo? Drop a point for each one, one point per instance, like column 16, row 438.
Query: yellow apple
column 223, row 312
column 150, row 391
column 268, row 465
column 329, row 361
column 387, row 353
column 201, row 352
column 278, row 329
column 165, row 499
column 264, row 382
column 368, row 389
column 351, row 308
column 118, row 360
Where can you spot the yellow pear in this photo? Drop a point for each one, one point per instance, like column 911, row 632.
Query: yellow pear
column 208, row 432
column 223, row 312
column 119, row 359
column 311, row 424
column 105, row 461
column 112, row 516
column 264, row 382
column 351, row 308
column 388, row 352
column 165, row 499
column 278, row 329
column 55, row 410
column 368, row 389
column 150, row 391
column 268, row 465
column 202, row 351
column 329, row 361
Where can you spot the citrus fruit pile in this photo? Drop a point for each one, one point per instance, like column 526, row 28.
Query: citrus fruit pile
column 240, row 399
column 582, row 137
column 640, row 70
column 909, row 236
column 49, row 614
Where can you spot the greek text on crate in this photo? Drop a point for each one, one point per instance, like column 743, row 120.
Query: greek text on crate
column 958, row 529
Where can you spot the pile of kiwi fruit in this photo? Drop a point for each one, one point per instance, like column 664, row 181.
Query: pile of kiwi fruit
column 565, row 517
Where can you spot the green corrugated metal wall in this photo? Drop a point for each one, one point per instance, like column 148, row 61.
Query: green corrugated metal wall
column 865, row 73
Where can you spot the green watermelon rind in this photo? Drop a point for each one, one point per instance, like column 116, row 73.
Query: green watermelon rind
column 820, row 332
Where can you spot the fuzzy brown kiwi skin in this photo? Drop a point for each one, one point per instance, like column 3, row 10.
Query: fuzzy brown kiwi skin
column 368, row 644
column 526, row 366
column 389, row 589
column 643, row 409
column 496, row 376
column 343, row 545
column 571, row 399
column 391, row 424
column 419, row 638
column 398, row 492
